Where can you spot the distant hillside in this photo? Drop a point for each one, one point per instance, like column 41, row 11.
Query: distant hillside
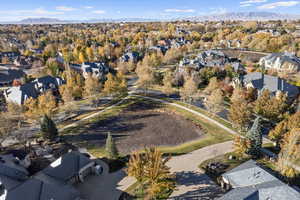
column 41, row 21
column 58, row 21
column 232, row 16
column 245, row 16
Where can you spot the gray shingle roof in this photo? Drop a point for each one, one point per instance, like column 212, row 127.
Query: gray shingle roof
column 251, row 182
column 262, row 81
column 8, row 75
column 33, row 89
column 34, row 189
column 249, row 173
column 67, row 166
column 11, row 173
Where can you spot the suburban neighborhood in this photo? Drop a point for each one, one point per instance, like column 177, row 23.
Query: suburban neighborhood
column 175, row 106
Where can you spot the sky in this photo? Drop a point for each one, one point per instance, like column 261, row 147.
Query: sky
column 155, row 9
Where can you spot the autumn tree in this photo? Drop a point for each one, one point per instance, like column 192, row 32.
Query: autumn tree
column 167, row 81
column 31, row 108
column 189, row 92
column 285, row 126
column 289, row 154
column 212, row 86
column 271, row 107
column 237, row 94
column 115, row 84
column 240, row 113
column 92, row 86
column 241, row 145
column 278, row 132
column 66, row 93
column 90, row 54
column 82, row 57
column 145, row 74
column 151, row 172
column 158, row 177
column 215, row 101
column 172, row 56
column 46, row 103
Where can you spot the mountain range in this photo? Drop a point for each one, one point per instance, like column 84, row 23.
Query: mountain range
column 230, row 16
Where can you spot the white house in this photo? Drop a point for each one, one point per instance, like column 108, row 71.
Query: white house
column 281, row 62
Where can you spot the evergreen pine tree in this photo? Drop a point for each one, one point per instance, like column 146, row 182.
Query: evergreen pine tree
column 48, row 128
column 110, row 147
column 254, row 135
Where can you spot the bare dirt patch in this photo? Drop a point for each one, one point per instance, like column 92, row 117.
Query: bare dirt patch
column 140, row 125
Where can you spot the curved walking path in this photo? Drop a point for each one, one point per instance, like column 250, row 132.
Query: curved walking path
column 191, row 111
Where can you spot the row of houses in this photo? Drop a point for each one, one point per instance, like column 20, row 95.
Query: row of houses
column 55, row 182
column 19, row 94
column 211, row 58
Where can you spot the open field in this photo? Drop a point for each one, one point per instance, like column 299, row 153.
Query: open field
column 139, row 123
column 135, row 126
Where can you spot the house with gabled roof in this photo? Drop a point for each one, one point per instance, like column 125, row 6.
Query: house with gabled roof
column 19, row 94
column 53, row 183
column 96, row 69
column 273, row 84
column 287, row 62
column 8, row 75
column 249, row 181
column 70, row 168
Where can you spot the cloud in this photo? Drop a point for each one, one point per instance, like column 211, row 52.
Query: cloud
column 252, row 1
column 246, row 5
column 88, row 7
column 278, row 4
column 171, row 10
column 99, row 11
column 37, row 11
column 65, row 8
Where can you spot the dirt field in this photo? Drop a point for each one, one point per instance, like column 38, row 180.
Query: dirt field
column 140, row 125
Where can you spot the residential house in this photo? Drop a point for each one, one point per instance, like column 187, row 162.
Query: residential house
column 12, row 173
column 98, row 70
column 273, row 84
column 211, row 58
column 281, row 62
column 296, row 33
column 71, row 168
column 8, row 75
column 52, row 183
column 130, row 57
column 250, row 181
column 159, row 48
column 10, row 55
column 35, row 189
column 19, row 94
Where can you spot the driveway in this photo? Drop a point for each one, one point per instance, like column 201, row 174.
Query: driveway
column 192, row 183
column 107, row 186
